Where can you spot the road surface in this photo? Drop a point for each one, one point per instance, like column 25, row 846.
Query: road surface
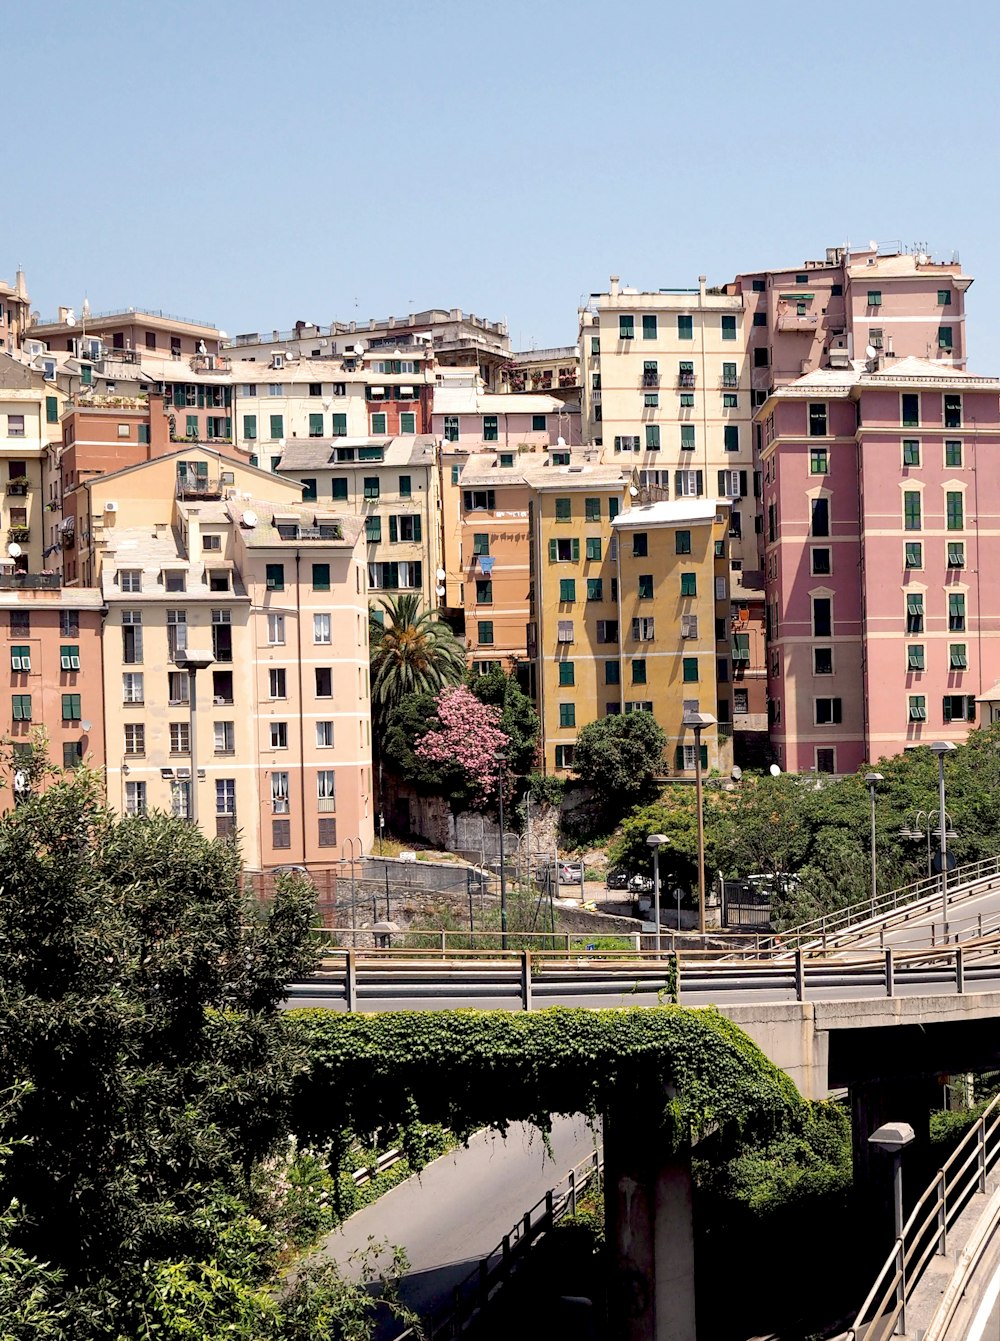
column 460, row 1207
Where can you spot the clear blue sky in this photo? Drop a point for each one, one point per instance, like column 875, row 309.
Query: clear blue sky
column 252, row 163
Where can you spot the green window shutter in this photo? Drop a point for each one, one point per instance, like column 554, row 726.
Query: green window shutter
column 393, row 531
column 250, row 426
column 593, row 547
column 592, row 509
column 553, row 551
column 564, row 509
column 338, row 490
column 956, row 512
column 911, row 452
column 192, row 426
column 614, row 507
column 379, row 422
column 679, row 758
column 731, row 436
column 653, row 437
column 687, row 437
column 567, row 589
column 143, row 434
column 321, row 577
column 595, row 589
column 689, row 584
column 315, row 425
column 51, row 409
column 405, row 486
column 309, row 494
column 911, row 510
column 339, row 428
column 576, row 550
column 566, row 673
column 407, row 422
column 649, row 328
column 685, row 328
column 481, row 543
column 277, row 426
column 373, row 529
column 201, row 398
column 704, row 756
column 689, row 669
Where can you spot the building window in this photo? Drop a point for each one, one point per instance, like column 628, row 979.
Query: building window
column 958, row 708
column 956, row 554
column 567, row 589
column 915, row 657
column 822, row 661
column 954, row 508
column 643, row 629
column 224, row 737
column 373, row 529
column 818, row 461
column 135, row 738
column 913, row 552
column 277, row 426
column 911, row 452
column 874, row 297
column 564, row 509
column 564, row 756
column 491, row 428
column 910, row 410
column 689, row 671
column 957, row 657
column 944, row 297
column 685, row 328
column 828, row 711
column 132, row 687
column 682, row 542
column 640, row 545
column 71, row 711
column 379, row 424
column 484, row 592
column 564, row 551
column 817, row 421
column 281, row 833
column 21, row 707
column 407, row 423
column 20, row 658
column 645, row 586
column 914, row 612
column 451, row 434
column 820, row 516
column 652, row 437
column 820, row 561
column 321, row 577
column 135, row 798
column 822, row 613
column 276, row 630
column 132, row 637
column 689, row 584
column 567, row 674
column 639, row 671
column 69, row 657
column 593, row 550
column 687, row 438
column 324, row 735
column 953, row 411
column 279, row 793
column 741, row 649
column 321, row 628
column 180, row 738
column 956, row 611
column 279, row 735
column 275, row 576
column 945, row 340
column 567, row 714
column 917, row 708
column 324, row 681
column 911, row 510
column 953, row 453
column 276, row 682
column 607, row 632
column 564, row 631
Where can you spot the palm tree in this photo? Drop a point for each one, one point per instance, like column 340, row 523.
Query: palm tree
column 413, row 652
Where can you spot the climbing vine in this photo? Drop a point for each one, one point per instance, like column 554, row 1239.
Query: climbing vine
column 690, row 1071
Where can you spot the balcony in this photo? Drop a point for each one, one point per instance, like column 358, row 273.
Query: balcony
column 796, row 324
column 652, row 379
column 730, row 383
column 30, row 581
column 198, row 486
column 685, row 379
column 18, row 487
column 210, row 363
column 20, row 534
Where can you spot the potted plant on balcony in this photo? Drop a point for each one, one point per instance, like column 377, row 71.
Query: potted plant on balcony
column 18, row 533
column 17, row 484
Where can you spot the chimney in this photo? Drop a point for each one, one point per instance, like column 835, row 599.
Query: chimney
column 614, row 286
column 702, row 281
column 159, row 427
column 890, row 353
column 194, row 538
column 63, row 314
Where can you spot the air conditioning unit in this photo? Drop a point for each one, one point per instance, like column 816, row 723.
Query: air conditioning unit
column 110, row 506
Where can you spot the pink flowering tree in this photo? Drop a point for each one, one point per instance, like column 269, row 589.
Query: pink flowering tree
column 466, row 743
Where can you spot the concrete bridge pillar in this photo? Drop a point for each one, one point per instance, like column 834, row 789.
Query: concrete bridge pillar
column 650, row 1231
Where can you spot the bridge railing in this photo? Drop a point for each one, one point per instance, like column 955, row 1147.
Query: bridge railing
column 964, row 1173
column 472, row 1295
column 861, row 915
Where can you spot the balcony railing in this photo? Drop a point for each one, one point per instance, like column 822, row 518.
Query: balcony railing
column 653, row 379
column 685, row 379
column 804, row 325
column 30, row 581
column 210, row 363
column 730, row 383
column 17, row 487
column 193, row 486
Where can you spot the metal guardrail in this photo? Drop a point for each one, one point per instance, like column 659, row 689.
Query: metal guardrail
column 861, row 915
column 472, row 1295
column 925, row 1233
column 525, row 979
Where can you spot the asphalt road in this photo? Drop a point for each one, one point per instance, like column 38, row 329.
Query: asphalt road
column 459, row 1208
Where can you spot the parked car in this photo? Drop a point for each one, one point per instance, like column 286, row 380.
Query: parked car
column 641, row 884
column 618, row 880
column 289, row 869
column 570, row 872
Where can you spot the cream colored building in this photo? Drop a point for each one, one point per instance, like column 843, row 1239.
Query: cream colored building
column 392, row 487
column 667, row 388
column 194, row 552
column 29, row 421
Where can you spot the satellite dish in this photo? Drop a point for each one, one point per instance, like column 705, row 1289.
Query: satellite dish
column 223, row 335
column 775, row 771
column 440, row 575
column 737, row 773
column 871, row 352
column 201, row 347
column 560, row 442
column 359, row 349
column 14, row 550
column 249, row 518
column 873, row 245
column 439, row 590
column 85, row 726
column 921, row 258
column 71, row 318
column 633, row 491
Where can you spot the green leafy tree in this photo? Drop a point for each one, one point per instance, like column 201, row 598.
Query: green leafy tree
column 619, row 757
column 518, row 719
column 674, row 815
column 413, row 652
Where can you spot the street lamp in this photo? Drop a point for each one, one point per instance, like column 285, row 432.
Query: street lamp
column 656, row 841
column 192, row 661
column 893, row 1138
column 503, row 877
column 923, row 827
column 873, row 779
column 697, row 721
column 941, row 748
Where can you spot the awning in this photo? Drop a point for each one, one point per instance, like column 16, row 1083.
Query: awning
column 67, row 524
column 405, row 390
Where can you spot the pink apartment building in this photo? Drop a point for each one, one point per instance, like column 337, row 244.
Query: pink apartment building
column 880, row 533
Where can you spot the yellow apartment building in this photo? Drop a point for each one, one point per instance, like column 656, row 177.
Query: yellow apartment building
column 29, row 419
column 392, row 486
column 630, row 606
column 197, row 554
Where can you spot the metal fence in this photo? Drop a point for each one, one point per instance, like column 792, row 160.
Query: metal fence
column 925, row 1233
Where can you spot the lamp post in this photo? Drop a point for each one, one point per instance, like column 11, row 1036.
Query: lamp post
column 697, row 721
column 893, row 1138
column 656, row 841
column 193, row 662
column 923, row 827
column 873, row 779
column 503, row 878
column 941, row 748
